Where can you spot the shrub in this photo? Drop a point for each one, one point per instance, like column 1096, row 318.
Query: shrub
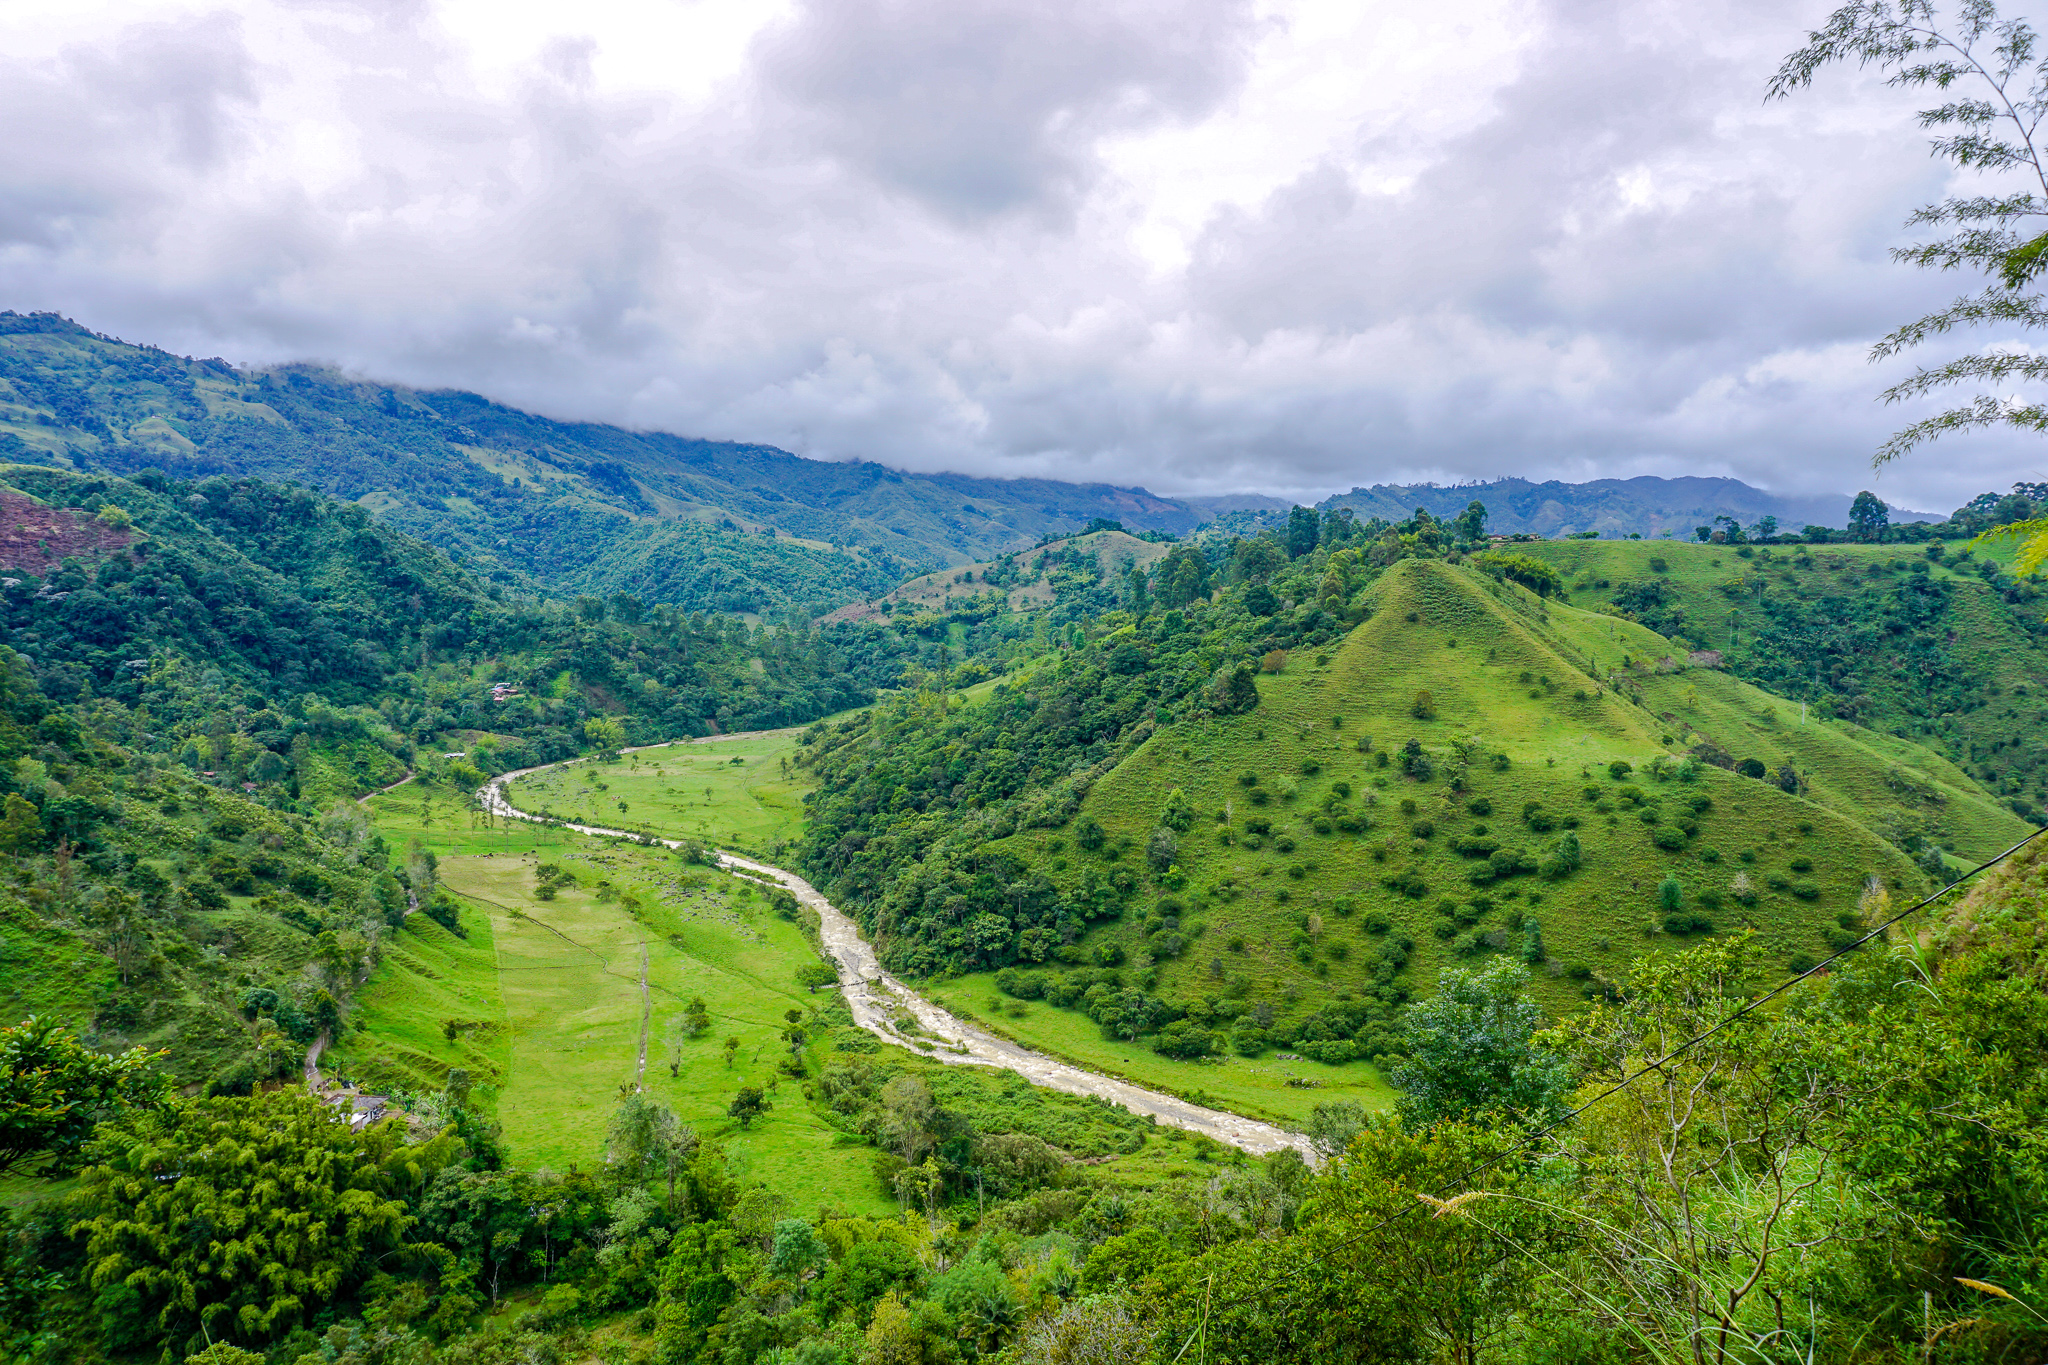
column 1161, row 849
column 1619, row 769
column 1423, row 707
column 1669, row 838
column 1184, row 1041
column 1669, row 893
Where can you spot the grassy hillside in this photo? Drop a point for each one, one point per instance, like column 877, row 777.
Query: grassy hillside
column 1530, row 744
column 1472, row 770
column 575, row 507
column 1944, row 649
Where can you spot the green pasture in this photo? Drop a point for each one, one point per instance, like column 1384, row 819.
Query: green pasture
column 1281, row 917
column 1257, row 1087
column 545, row 1003
column 447, row 820
column 742, row 794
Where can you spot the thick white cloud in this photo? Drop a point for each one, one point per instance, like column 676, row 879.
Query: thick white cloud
column 1205, row 245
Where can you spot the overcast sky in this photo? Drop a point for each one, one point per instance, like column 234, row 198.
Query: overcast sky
column 1285, row 246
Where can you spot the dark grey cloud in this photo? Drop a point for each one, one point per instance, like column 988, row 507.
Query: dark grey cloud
column 979, row 109
column 1499, row 238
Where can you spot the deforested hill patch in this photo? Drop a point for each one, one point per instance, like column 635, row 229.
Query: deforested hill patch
column 1216, row 832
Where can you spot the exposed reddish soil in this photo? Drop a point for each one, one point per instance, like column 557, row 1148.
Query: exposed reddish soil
column 37, row 539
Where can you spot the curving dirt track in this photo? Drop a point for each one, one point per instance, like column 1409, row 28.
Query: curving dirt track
column 878, row 1000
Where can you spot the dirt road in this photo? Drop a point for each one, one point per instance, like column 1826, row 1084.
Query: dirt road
column 878, row 1000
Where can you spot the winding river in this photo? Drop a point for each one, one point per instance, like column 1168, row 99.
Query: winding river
column 879, row 1002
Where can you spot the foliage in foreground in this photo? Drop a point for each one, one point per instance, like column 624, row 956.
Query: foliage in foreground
column 1853, row 1176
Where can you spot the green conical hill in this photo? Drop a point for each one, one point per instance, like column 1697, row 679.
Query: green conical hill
column 1347, row 813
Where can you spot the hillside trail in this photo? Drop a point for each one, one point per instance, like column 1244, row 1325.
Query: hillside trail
column 364, row 799
column 893, row 1012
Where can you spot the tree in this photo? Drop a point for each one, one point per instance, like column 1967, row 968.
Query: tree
column 1479, row 1249
column 911, row 1116
column 1868, row 516
column 1304, row 527
column 1234, row 690
column 1181, row 577
column 1470, row 524
column 732, row 1050
column 1133, row 1013
column 748, row 1105
column 54, row 1091
column 604, row 734
column 697, row 1017
column 1161, row 849
column 1994, row 128
column 645, row 1141
column 1714, row 1177
column 278, row 1208
column 1178, row 813
column 1333, row 1124
column 799, row 1252
column 1469, row 1050
column 21, row 825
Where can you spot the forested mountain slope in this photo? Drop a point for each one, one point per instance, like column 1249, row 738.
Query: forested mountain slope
column 239, row 616
column 578, row 507
column 1021, row 582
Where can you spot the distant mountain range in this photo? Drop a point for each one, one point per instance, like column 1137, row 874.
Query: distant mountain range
column 1645, row 504
column 1610, row 506
column 581, row 507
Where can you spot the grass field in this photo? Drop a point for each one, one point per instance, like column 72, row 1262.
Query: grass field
column 545, row 996
column 544, row 1003
column 740, row 794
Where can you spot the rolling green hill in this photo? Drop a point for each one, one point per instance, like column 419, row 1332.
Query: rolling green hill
column 1469, row 770
column 573, row 506
column 1929, row 643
